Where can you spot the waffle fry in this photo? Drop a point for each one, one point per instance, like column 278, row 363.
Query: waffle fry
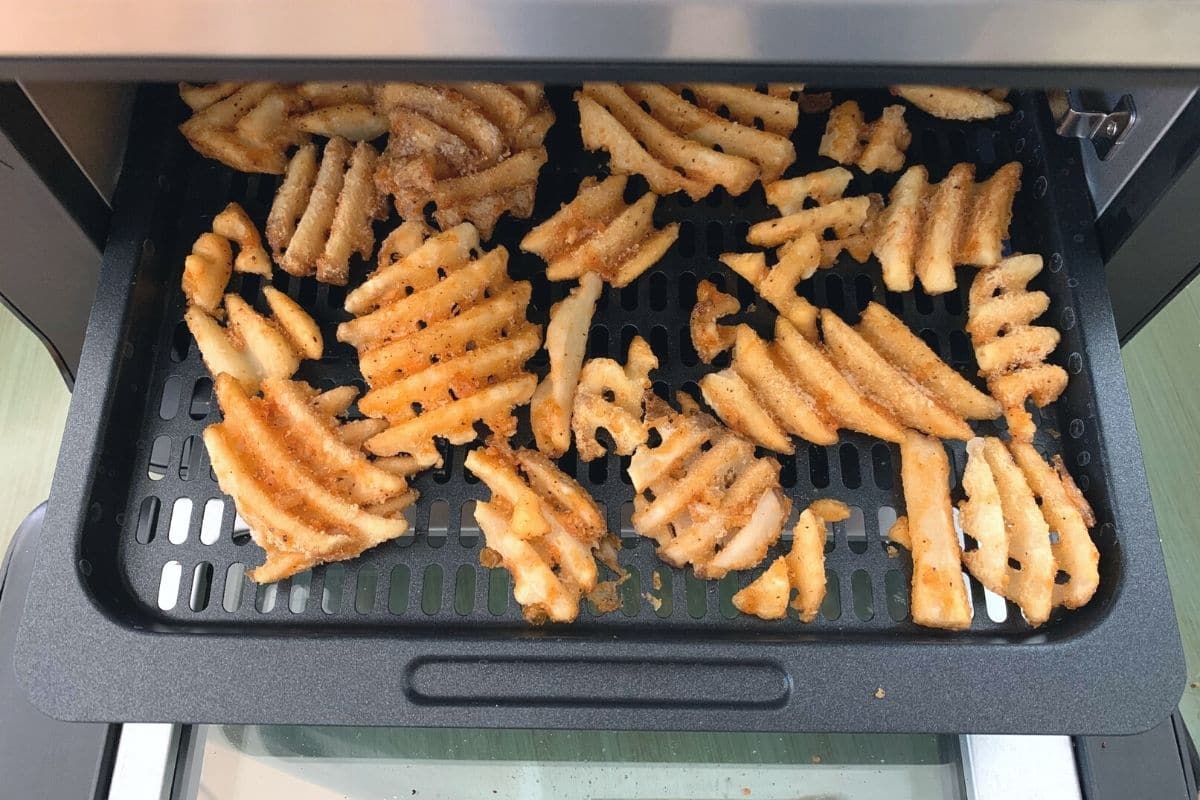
column 673, row 144
column 1010, row 351
column 247, row 126
column 252, row 348
column 709, row 337
column 916, row 406
column 442, row 340
column 322, row 214
column 308, row 496
column 889, row 336
column 777, row 285
column 877, row 378
column 927, row 229
column 541, row 526
column 235, row 225
column 474, row 150
column 802, row 569
column 955, row 102
column 610, row 397
column 345, row 110
column 597, row 232
column 1023, row 532
column 939, row 598
column 566, row 341
column 758, row 398
column 879, row 145
column 1069, row 516
column 702, row 495
column 837, row 223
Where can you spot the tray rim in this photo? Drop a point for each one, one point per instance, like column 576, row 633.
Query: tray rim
column 80, row 663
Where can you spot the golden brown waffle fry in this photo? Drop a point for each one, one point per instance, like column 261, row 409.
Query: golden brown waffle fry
column 442, row 341
column 474, row 150
column 247, row 126
column 899, row 345
column 308, row 496
column 610, row 396
column 1010, row 351
column 674, row 144
column 541, row 526
column 323, row 214
column 927, row 229
column 802, row 569
column 939, row 597
column 813, row 237
column 252, row 347
column 1074, row 551
column 566, row 341
column 1002, row 514
column 954, row 102
column 597, row 232
column 206, row 272
column 879, row 145
column 760, row 398
column 709, row 337
column 702, row 495
column 235, row 225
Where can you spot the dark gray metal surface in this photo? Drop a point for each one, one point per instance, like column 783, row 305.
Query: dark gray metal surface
column 39, row 756
column 407, row 650
column 1147, row 232
column 52, row 229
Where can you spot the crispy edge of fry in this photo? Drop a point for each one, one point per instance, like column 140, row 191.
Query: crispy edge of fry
column 206, row 272
column 235, row 224
column 946, row 210
column 899, row 229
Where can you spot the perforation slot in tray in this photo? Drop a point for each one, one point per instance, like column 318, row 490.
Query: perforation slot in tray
column 162, row 550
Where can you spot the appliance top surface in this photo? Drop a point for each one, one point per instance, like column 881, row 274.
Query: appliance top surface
column 39, row 39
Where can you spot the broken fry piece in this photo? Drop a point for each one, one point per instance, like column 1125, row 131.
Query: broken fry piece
column 939, row 598
column 566, row 341
column 541, row 526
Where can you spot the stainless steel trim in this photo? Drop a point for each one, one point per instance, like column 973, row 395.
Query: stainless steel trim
column 1045, row 33
column 145, row 762
column 1028, row 767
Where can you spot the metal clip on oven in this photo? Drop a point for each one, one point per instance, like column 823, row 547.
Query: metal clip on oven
column 1105, row 129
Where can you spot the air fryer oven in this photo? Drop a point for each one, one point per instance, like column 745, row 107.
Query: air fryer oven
column 418, row 633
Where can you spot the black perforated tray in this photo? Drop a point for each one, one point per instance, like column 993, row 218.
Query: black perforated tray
column 417, row 633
